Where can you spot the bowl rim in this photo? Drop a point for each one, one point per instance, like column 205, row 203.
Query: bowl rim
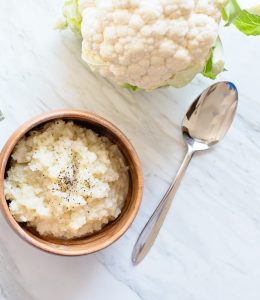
column 81, row 115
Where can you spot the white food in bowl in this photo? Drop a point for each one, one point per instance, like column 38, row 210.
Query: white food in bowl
column 66, row 181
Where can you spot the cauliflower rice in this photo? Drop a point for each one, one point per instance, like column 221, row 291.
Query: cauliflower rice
column 66, row 181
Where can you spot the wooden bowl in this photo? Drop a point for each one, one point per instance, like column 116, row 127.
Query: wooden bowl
column 111, row 232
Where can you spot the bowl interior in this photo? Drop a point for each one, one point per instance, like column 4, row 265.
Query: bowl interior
column 113, row 230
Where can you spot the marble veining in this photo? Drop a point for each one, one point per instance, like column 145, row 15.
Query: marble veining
column 209, row 245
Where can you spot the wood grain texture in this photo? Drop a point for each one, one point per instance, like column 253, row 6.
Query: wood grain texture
column 113, row 230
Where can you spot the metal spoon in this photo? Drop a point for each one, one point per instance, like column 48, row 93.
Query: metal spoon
column 206, row 122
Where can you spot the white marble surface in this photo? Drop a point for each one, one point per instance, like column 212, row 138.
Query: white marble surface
column 209, row 247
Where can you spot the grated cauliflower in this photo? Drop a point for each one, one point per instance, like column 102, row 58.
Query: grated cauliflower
column 66, row 181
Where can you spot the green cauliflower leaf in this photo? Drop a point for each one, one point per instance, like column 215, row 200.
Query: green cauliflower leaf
column 215, row 62
column 130, row 87
column 245, row 21
column 71, row 17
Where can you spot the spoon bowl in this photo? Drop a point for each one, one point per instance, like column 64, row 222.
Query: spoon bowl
column 205, row 123
column 210, row 115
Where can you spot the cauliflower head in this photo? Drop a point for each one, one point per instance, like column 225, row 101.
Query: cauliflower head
column 148, row 43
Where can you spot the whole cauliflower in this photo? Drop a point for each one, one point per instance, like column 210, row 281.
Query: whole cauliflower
column 148, row 44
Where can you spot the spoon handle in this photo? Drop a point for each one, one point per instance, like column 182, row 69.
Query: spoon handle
column 152, row 227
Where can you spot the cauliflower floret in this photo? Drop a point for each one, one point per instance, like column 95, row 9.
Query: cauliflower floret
column 148, row 43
